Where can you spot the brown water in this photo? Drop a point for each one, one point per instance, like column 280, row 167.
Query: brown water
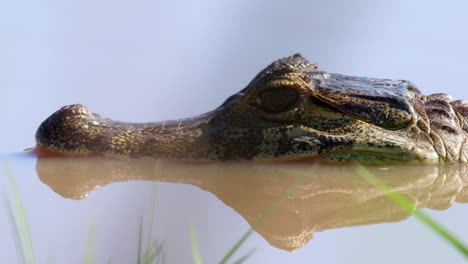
column 63, row 196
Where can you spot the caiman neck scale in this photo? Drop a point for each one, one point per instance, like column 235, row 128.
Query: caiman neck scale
column 289, row 111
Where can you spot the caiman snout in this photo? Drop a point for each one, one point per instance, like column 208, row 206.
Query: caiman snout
column 67, row 130
column 75, row 129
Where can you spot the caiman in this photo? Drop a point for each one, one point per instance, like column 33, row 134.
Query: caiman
column 289, row 111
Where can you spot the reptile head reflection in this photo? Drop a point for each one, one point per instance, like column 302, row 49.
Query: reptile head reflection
column 324, row 197
column 289, row 111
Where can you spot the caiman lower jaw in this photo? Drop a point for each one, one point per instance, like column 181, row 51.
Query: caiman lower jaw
column 370, row 157
column 358, row 142
column 388, row 149
column 364, row 156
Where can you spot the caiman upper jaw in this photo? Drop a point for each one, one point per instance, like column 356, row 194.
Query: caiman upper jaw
column 379, row 101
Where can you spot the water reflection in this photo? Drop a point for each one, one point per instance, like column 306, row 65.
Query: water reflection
column 328, row 196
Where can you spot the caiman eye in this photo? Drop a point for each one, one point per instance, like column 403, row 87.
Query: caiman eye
column 277, row 99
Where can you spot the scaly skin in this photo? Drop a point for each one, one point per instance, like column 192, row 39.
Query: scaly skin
column 289, row 111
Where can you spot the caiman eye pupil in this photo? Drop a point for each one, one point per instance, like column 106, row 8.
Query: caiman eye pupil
column 277, row 99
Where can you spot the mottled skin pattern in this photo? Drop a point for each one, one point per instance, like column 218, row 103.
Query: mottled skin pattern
column 289, row 111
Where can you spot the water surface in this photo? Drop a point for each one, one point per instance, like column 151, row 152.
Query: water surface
column 62, row 196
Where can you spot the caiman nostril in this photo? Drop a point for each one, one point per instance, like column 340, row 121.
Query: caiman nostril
column 75, row 110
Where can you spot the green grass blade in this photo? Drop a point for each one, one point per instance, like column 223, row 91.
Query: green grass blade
column 90, row 256
column 16, row 234
column 154, row 252
column 16, row 212
column 161, row 255
column 140, row 242
column 262, row 218
column 406, row 204
column 194, row 243
column 244, row 257
column 152, row 248
column 436, row 227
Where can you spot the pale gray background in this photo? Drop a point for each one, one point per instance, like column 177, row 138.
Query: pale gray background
column 156, row 60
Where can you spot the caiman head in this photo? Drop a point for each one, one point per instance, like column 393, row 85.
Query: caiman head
column 289, row 111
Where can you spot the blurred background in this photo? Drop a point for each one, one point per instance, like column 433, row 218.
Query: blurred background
column 157, row 60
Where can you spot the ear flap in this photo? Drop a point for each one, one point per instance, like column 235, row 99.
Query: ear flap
column 377, row 101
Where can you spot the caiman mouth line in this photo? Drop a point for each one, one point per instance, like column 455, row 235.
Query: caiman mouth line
column 289, row 111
